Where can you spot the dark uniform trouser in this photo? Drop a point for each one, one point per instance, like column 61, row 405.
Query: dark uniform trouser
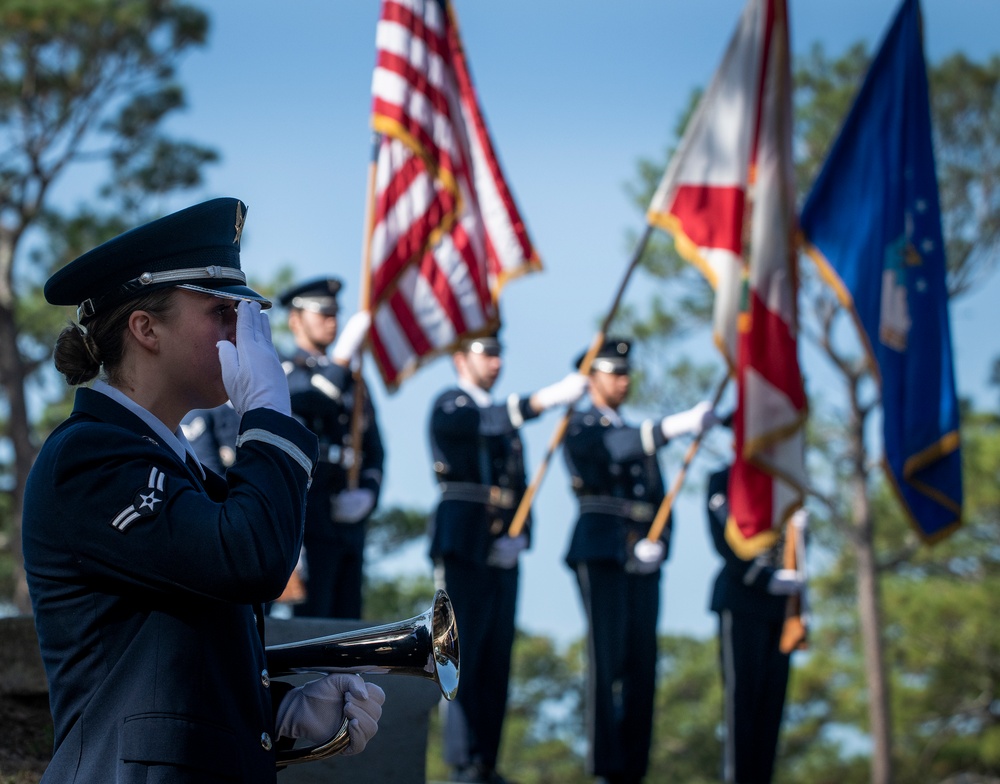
column 622, row 611
column 485, row 599
column 333, row 587
column 754, row 676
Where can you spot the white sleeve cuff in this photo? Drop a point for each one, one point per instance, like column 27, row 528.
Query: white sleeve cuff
column 646, row 437
column 514, row 411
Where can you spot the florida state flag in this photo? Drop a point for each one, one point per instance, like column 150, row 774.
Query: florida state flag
column 728, row 198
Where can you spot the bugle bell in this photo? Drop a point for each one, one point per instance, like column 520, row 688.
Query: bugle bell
column 425, row 646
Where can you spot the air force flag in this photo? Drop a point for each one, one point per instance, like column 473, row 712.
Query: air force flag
column 872, row 222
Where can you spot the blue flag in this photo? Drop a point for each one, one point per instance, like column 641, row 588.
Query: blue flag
column 873, row 224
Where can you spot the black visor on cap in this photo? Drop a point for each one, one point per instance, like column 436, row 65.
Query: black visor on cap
column 618, row 367
column 197, row 248
column 612, row 357
column 318, row 295
column 489, row 346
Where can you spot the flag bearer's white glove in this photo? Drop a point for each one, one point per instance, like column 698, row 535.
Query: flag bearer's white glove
column 562, row 393
column 648, row 555
column 316, row 710
column 351, row 337
column 251, row 370
column 785, row 582
column 800, row 519
column 353, row 506
column 505, row 550
column 695, row 420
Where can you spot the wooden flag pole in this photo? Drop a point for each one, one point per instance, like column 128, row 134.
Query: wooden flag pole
column 521, row 515
column 364, row 294
column 663, row 513
column 794, row 633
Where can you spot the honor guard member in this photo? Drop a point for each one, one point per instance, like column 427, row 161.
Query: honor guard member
column 147, row 572
column 616, row 477
column 323, row 394
column 750, row 598
column 212, row 433
column 479, row 465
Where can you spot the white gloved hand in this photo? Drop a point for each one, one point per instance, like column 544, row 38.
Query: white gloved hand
column 351, row 337
column 800, row 519
column 505, row 550
column 251, row 370
column 316, row 710
column 785, row 582
column 695, row 420
column 648, row 555
column 353, row 506
column 562, row 393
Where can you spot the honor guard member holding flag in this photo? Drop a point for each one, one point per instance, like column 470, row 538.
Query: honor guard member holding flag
column 323, row 394
column 750, row 598
column 479, row 464
column 617, row 479
column 147, row 573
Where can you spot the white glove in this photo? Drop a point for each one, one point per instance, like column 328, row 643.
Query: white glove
column 562, row 393
column 351, row 337
column 251, row 370
column 785, row 582
column 695, row 420
column 316, row 710
column 648, row 555
column 800, row 519
column 353, row 506
column 505, row 550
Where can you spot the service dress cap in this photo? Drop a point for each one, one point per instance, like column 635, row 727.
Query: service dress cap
column 488, row 345
column 612, row 357
column 318, row 295
column 197, row 248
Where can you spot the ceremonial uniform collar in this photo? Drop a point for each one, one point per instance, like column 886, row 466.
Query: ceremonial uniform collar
column 610, row 414
column 176, row 440
column 480, row 396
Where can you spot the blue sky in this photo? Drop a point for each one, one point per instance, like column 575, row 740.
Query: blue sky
column 574, row 94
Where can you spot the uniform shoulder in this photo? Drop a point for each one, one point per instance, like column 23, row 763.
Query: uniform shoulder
column 84, row 440
column 450, row 396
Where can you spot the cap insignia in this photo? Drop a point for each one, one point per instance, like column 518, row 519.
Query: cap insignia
column 240, row 217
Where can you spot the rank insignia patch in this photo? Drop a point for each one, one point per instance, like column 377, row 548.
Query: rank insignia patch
column 146, row 502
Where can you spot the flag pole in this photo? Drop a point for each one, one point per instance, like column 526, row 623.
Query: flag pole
column 364, row 294
column 521, row 515
column 663, row 513
column 794, row 631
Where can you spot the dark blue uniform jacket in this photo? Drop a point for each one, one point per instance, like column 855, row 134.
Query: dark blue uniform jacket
column 212, row 434
column 474, row 445
column 740, row 586
column 323, row 400
column 618, row 462
column 146, row 583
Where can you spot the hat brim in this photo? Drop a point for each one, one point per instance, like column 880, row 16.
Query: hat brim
column 230, row 292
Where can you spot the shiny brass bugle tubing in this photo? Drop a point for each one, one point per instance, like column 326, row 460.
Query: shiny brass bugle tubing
column 425, row 646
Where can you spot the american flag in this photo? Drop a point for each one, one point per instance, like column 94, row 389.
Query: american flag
column 446, row 233
column 728, row 198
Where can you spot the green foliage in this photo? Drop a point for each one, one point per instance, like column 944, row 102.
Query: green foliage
column 941, row 646
column 965, row 97
column 688, row 713
column 85, row 85
column 390, row 528
column 388, row 601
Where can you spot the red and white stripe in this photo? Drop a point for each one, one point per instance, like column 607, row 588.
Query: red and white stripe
column 447, row 235
column 728, row 199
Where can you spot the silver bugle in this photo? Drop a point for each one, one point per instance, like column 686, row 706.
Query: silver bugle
column 425, row 646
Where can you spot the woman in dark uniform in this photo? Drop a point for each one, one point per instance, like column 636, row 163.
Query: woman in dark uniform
column 146, row 571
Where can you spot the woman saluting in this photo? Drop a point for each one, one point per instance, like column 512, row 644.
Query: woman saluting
column 147, row 572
